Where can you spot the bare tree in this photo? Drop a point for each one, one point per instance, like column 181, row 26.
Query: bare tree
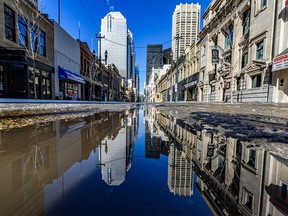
column 29, row 33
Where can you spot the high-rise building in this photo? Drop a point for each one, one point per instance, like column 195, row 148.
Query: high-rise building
column 153, row 58
column 130, row 57
column 180, row 173
column 114, row 30
column 186, row 25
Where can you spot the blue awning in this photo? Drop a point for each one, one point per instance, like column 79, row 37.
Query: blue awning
column 66, row 74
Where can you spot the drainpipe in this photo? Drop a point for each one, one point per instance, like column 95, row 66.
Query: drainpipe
column 274, row 36
column 272, row 46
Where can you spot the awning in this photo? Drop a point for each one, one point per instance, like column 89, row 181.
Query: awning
column 66, row 74
column 280, row 62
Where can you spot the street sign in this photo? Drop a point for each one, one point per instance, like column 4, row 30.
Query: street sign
column 215, row 56
column 176, row 87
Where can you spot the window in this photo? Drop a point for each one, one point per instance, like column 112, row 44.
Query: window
column 244, row 58
column 263, row 4
column 252, row 158
column 229, row 37
column 33, row 37
column 284, row 191
column 248, row 202
column 9, row 23
column 42, row 44
column 246, row 22
column 256, row 81
column 22, row 31
column 238, row 83
column 204, row 50
column 259, row 50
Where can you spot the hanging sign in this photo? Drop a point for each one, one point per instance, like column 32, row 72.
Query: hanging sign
column 215, row 56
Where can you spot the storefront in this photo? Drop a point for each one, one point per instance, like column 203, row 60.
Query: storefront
column 16, row 76
column 69, row 84
column 191, row 87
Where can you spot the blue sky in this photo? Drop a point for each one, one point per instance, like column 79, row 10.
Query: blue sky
column 150, row 21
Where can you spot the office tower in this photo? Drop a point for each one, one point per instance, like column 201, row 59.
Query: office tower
column 130, row 57
column 180, row 173
column 115, row 32
column 153, row 58
column 186, row 25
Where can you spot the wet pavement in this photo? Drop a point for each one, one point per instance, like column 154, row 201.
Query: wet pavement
column 176, row 159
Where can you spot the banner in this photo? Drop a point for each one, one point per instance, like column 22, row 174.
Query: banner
column 215, row 56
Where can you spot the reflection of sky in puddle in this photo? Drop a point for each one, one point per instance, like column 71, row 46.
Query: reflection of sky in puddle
column 143, row 191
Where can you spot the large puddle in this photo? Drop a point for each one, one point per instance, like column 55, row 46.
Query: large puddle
column 137, row 162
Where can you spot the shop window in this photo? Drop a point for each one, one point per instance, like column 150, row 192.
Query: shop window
column 259, row 50
column 256, row 81
column 22, row 31
column 9, row 15
column 42, row 44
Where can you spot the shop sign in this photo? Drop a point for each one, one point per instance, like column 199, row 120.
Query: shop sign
column 193, row 83
column 280, row 62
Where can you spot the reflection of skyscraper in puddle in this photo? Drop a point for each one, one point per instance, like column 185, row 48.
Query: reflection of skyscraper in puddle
column 180, row 173
column 155, row 138
column 116, row 154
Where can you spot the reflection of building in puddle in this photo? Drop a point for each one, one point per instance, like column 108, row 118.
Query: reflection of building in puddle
column 234, row 177
column 180, row 173
column 155, row 139
column 27, row 164
column 113, row 159
column 116, row 154
column 38, row 157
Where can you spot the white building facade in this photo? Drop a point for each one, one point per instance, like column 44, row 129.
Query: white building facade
column 67, row 65
column 114, row 30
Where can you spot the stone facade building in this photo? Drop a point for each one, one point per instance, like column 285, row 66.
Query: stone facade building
column 238, row 57
column 26, row 50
